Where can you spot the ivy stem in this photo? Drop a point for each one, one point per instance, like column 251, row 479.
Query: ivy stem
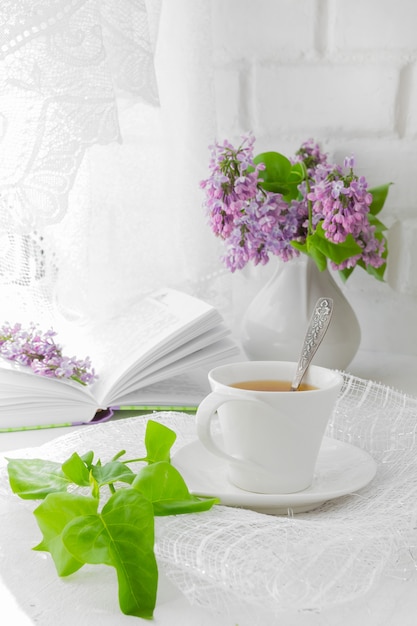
column 144, row 458
column 118, row 455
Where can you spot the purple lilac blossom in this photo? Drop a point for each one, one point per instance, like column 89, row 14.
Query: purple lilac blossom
column 255, row 223
column 343, row 203
column 37, row 350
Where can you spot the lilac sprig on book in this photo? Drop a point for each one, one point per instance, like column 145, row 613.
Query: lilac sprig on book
column 38, row 350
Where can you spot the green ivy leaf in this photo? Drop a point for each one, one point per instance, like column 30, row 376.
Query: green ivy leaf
column 52, row 516
column 76, row 470
column 112, row 472
column 34, row 479
column 159, row 440
column 121, row 536
column 87, row 458
column 163, row 485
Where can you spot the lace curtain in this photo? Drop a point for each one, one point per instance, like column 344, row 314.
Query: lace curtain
column 106, row 112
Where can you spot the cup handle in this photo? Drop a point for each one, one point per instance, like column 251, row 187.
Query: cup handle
column 204, row 416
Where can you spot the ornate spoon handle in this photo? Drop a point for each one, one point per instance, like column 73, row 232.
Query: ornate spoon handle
column 316, row 330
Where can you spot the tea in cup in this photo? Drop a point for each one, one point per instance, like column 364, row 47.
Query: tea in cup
column 269, row 435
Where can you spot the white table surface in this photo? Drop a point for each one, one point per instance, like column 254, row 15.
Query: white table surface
column 393, row 602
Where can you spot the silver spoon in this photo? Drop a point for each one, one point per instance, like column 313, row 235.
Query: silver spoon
column 316, row 330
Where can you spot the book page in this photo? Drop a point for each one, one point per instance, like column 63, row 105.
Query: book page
column 183, row 390
column 207, row 358
column 139, row 335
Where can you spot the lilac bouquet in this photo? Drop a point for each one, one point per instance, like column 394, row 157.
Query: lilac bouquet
column 39, row 351
column 269, row 204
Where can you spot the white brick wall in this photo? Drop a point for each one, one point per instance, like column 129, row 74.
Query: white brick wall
column 373, row 25
column 345, row 73
column 316, row 100
column 262, row 29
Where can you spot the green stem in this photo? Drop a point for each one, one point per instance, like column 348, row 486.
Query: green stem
column 143, row 459
column 118, row 455
column 309, row 203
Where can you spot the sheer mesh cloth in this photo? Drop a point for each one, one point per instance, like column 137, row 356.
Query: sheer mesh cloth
column 256, row 567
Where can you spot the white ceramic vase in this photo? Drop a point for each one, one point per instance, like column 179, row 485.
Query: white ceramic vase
column 275, row 323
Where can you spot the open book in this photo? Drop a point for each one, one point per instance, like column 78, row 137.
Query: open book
column 161, row 338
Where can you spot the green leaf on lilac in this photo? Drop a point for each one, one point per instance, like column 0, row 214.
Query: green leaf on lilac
column 377, row 272
column 121, row 536
column 309, row 249
column 276, row 172
column 335, row 252
column 379, row 195
column 295, row 178
column 163, row 485
column 34, row 479
column 297, row 173
column 52, row 516
column 318, row 257
column 344, row 274
column 302, row 247
column 374, row 221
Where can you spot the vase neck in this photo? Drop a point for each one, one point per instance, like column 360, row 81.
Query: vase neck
column 302, row 278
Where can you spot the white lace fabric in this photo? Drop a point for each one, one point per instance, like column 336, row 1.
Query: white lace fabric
column 62, row 66
column 257, row 567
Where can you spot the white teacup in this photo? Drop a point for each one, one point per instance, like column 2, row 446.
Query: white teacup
column 271, row 439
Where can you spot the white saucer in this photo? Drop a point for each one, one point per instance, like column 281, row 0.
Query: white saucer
column 341, row 469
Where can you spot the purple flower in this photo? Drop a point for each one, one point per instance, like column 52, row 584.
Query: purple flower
column 255, row 223
column 349, row 162
column 38, row 351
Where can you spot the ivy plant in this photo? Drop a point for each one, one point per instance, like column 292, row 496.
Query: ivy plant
column 103, row 513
